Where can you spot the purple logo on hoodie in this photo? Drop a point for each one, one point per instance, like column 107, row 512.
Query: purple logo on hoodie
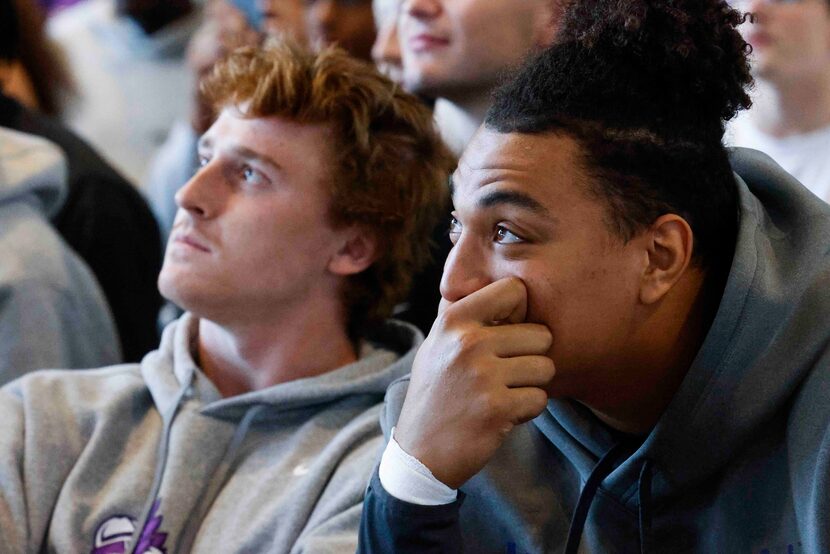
column 112, row 535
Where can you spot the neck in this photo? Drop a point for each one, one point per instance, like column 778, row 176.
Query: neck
column 794, row 107
column 248, row 357
column 663, row 351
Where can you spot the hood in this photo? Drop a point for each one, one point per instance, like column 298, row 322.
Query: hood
column 32, row 170
column 763, row 341
column 383, row 357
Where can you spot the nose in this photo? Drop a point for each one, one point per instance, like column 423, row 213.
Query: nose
column 465, row 271
column 200, row 196
column 386, row 49
column 421, row 9
column 322, row 15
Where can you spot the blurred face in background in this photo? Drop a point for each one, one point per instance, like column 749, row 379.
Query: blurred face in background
column 347, row 23
column 454, row 47
column 790, row 39
column 283, row 17
column 386, row 51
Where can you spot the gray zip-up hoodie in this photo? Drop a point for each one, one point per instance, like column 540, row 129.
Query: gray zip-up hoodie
column 52, row 311
column 738, row 463
column 151, row 456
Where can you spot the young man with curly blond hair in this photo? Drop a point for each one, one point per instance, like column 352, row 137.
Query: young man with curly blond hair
column 254, row 426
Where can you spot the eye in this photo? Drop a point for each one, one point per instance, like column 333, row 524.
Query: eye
column 203, row 160
column 251, row 176
column 505, row 236
column 454, row 230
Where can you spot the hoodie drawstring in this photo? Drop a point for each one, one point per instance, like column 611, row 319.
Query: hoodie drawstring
column 161, row 461
column 218, row 479
column 586, row 498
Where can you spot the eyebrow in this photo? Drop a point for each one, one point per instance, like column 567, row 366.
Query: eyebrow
column 243, row 152
column 513, row 198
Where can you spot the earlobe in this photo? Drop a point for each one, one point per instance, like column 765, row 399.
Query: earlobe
column 670, row 245
column 357, row 253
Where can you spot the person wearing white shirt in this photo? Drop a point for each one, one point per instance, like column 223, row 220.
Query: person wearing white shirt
column 790, row 119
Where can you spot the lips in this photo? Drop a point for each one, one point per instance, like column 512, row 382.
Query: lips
column 426, row 42
column 190, row 240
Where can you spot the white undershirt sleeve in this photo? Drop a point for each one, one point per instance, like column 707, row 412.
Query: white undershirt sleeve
column 406, row 478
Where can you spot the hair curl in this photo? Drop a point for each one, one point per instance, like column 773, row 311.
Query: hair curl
column 645, row 86
column 390, row 168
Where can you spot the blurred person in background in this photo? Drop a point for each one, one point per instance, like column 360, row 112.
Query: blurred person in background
column 790, row 117
column 104, row 219
column 283, row 17
column 52, row 311
column 386, row 51
column 456, row 50
column 349, row 24
column 35, row 75
column 126, row 58
column 223, row 28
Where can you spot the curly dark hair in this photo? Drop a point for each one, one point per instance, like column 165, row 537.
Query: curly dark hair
column 645, row 87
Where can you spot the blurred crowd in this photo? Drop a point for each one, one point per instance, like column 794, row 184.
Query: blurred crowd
column 117, row 121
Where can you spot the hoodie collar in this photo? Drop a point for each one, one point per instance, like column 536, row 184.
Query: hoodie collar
column 384, row 356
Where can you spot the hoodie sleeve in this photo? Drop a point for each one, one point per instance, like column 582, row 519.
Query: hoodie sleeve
column 14, row 518
column 392, row 526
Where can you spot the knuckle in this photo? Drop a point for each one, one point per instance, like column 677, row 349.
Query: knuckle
column 537, row 400
column 548, row 368
column 470, row 341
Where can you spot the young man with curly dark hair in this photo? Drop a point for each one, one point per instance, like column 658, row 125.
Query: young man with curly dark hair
column 254, row 427
column 655, row 304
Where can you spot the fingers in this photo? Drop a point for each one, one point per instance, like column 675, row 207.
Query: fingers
column 527, row 403
column 527, row 371
column 519, row 339
column 504, row 301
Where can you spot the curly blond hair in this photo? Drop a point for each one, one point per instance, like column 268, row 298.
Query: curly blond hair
column 391, row 166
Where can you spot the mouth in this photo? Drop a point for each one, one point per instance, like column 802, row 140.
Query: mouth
column 426, row 43
column 188, row 240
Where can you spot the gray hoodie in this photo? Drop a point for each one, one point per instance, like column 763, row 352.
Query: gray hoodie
column 153, row 456
column 52, row 312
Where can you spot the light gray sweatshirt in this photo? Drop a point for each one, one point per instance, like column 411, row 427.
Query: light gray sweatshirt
column 52, row 311
column 151, row 455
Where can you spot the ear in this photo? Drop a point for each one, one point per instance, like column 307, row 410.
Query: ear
column 669, row 244
column 358, row 251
